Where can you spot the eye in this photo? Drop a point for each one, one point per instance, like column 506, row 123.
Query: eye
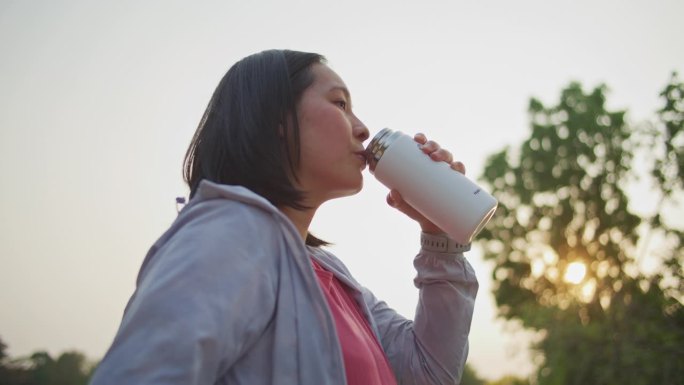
column 342, row 104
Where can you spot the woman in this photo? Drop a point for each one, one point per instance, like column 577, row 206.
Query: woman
column 238, row 291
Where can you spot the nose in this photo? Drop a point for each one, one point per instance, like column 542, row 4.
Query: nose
column 360, row 130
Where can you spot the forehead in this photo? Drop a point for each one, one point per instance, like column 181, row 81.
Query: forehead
column 325, row 78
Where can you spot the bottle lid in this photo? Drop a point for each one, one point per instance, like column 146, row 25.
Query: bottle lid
column 377, row 146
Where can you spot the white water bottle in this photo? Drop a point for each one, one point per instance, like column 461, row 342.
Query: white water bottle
column 444, row 196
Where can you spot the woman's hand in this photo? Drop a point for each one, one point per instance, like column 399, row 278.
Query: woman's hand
column 437, row 154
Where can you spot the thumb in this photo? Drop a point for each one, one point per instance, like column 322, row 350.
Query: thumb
column 395, row 200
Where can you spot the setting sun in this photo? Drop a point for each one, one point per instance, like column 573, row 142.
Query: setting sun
column 575, row 272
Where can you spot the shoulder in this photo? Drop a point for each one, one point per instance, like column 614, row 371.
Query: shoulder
column 222, row 226
column 228, row 217
column 221, row 213
column 223, row 233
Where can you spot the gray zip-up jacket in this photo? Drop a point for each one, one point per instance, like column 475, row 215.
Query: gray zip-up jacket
column 228, row 296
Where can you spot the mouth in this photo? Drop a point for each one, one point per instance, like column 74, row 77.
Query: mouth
column 361, row 155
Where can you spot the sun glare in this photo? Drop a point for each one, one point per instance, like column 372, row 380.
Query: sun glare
column 575, row 273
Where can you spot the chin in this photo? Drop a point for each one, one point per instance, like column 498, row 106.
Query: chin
column 358, row 186
column 348, row 191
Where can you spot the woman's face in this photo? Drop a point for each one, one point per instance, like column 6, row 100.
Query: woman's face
column 331, row 139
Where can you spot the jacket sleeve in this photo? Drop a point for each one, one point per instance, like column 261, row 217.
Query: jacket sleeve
column 433, row 348
column 205, row 293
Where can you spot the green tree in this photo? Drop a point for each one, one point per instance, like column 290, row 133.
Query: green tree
column 4, row 371
column 11, row 371
column 70, row 368
column 565, row 244
column 470, row 377
column 3, row 354
column 509, row 380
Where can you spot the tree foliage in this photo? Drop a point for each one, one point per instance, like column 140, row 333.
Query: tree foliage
column 70, row 368
column 509, row 380
column 566, row 243
column 470, row 377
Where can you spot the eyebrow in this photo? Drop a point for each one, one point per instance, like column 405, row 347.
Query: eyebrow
column 344, row 90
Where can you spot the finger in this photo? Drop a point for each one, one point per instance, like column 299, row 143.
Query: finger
column 420, row 138
column 442, row 155
column 392, row 201
column 395, row 200
column 458, row 166
column 430, row 146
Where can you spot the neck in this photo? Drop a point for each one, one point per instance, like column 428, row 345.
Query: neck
column 300, row 218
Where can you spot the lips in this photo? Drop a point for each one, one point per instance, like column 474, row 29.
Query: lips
column 361, row 155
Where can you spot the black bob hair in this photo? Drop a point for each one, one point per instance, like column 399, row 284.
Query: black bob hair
column 249, row 133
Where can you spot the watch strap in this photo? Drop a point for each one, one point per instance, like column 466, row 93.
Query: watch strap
column 441, row 243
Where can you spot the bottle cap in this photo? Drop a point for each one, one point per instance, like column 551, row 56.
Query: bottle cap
column 377, row 146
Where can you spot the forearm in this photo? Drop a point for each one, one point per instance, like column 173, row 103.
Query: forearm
column 434, row 347
column 444, row 313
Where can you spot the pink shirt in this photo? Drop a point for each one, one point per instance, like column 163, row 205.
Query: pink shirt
column 364, row 360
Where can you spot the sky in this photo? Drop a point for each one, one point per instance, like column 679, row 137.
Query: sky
column 99, row 100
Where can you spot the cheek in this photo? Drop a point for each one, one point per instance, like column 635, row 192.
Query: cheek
column 319, row 148
column 324, row 128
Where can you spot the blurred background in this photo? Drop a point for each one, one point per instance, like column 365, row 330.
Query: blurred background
column 567, row 110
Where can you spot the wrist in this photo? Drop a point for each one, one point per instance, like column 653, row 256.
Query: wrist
column 430, row 228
